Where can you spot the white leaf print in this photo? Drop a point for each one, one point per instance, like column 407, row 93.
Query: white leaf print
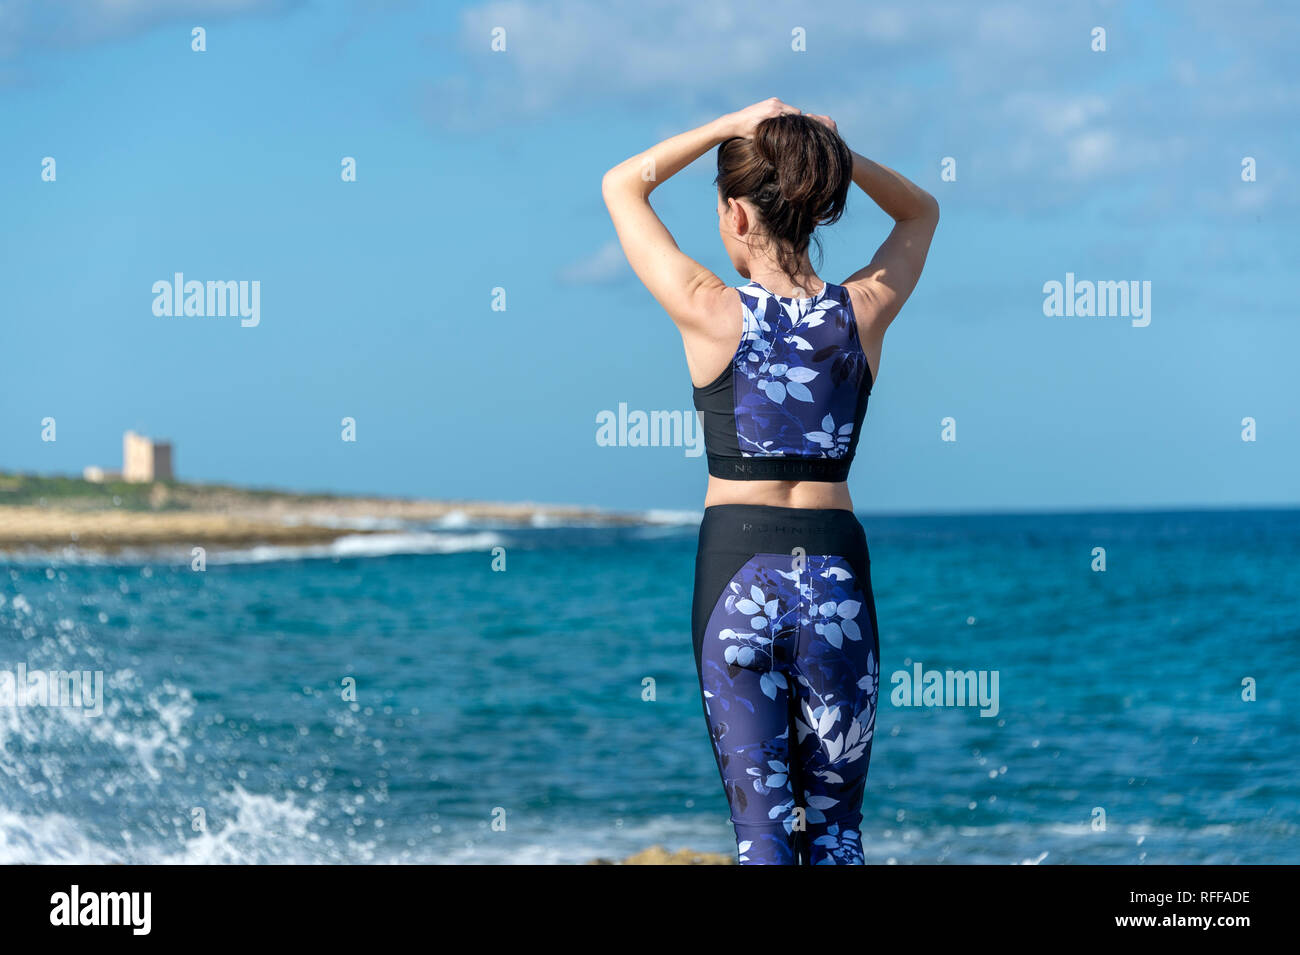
column 809, row 715
column 827, row 721
column 757, row 594
column 801, row 374
column 748, row 607
column 828, row 423
column 821, row 437
column 849, row 608
column 726, row 633
column 745, row 656
column 828, row 608
column 866, row 681
column 779, row 369
column 850, row 628
column 779, row 678
column 834, row 747
column 846, row 429
column 799, row 343
column 775, row 781
column 770, row 607
column 768, row 687
column 822, row 802
column 855, row 733
column 758, row 623
column 745, row 846
column 839, row 573
column 729, row 654
column 796, row 390
column 833, row 635
column 775, row 391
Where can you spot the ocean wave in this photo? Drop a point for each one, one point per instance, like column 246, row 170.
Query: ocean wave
column 347, row 545
column 260, row 830
column 346, row 523
column 363, row 545
column 662, row 516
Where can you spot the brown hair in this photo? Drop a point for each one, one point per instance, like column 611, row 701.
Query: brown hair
column 796, row 171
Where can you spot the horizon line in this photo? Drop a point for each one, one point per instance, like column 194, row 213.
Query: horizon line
column 992, row 511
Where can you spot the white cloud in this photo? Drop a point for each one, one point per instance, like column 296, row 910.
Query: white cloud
column 1011, row 88
column 606, row 264
column 26, row 25
column 567, row 53
column 1091, row 153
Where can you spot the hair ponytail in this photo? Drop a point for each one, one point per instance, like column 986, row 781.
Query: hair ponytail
column 796, row 171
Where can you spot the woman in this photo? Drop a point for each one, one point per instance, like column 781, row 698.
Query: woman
column 784, row 622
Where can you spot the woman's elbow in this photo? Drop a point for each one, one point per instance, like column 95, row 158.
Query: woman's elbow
column 612, row 181
column 929, row 206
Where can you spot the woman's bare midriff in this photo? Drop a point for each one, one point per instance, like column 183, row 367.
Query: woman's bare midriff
column 812, row 494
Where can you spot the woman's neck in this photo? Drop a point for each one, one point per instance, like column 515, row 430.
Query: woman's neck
column 803, row 284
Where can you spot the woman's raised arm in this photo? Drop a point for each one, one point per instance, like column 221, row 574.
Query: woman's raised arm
column 686, row 289
column 896, row 267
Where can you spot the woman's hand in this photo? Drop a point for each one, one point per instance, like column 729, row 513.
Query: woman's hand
column 825, row 121
column 742, row 122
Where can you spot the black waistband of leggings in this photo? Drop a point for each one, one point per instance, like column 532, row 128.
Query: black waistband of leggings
column 776, row 468
column 762, row 529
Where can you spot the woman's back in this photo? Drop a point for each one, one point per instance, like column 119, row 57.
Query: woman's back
column 781, row 175
column 789, row 405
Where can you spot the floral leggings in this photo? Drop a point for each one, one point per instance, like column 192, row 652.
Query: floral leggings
column 784, row 626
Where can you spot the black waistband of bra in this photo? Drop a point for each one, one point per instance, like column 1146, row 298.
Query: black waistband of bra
column 762, row 529
column 779, row 468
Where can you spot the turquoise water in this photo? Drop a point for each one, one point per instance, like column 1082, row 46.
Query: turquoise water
column 517, row 696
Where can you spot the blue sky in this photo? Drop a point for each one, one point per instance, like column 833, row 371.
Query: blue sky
column 478, row 170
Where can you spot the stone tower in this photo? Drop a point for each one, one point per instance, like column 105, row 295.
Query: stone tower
column 145, row 460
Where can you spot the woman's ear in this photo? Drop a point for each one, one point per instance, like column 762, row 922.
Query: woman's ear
column 739, row 217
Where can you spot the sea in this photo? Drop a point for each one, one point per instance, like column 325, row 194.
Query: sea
column 461, row 693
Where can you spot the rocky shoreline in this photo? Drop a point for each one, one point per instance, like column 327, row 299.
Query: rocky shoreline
column 42, row 513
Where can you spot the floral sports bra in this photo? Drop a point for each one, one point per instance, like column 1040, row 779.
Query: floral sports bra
column 790, row 404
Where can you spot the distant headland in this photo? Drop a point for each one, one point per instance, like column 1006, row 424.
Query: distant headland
column 109, row 513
